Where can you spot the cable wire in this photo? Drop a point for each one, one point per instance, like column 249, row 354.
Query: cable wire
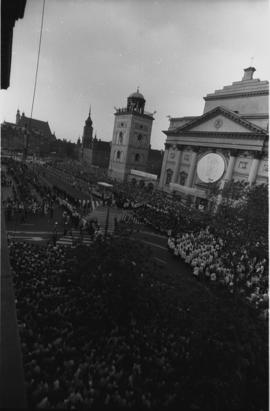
column 36, row 75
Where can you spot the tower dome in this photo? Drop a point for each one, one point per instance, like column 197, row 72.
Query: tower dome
column 136, row 102
column 136, row 95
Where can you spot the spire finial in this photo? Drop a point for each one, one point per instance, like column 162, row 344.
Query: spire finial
column 138, row 89
column 90, row 111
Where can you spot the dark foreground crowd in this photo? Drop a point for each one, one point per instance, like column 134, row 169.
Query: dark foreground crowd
column 117, row 334
column 76, row 355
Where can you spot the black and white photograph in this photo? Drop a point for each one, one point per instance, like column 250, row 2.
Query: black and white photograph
column 134, row 205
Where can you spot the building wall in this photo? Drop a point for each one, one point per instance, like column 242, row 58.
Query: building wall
column 117, row 165
column 13, row 139
column 244, row 105
column 87, row 154
column 131, row 138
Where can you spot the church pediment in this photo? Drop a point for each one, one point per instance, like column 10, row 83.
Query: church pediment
column 220, row 120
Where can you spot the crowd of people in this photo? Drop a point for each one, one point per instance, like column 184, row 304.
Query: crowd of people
column 112, row 334
column 118, row 338
column 75, row 354
column 203, row 252
column 31, row 196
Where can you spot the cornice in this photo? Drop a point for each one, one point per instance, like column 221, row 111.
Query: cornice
column 126, row 113
column 250, row 136
column 235, row 95
column 211, row 114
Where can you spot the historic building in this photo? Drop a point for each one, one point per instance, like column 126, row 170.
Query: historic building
column 91, row 150
column 229, row 141
column 131, row 138
column 87, row 140
column 35, row 133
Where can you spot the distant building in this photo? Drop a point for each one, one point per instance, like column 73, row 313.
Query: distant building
column 229, row 141
column 131, row 138
column 154, row 163
column 101, row 153
column 36, row 133
column 87, row 140
column 93, row 151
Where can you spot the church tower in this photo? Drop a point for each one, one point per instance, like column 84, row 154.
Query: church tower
column 131, row 138
column 87, row 140
column 18, row 116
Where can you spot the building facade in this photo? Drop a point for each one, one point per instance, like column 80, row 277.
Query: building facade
column 131, row 138
column 229, row 141
column 33, row 134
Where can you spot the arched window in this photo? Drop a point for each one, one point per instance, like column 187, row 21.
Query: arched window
column 134, row 181
column 169, row 174
column 137, row 157
column 118, row 155
column 141, row 183
column 120, row 137
column 139, row 137
column 183, row 178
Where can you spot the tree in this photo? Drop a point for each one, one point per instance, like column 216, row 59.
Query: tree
column 241, row 221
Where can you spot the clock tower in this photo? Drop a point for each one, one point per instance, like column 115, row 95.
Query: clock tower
column 87, row 140
column 131, row 138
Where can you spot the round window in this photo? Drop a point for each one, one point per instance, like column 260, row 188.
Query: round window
column 210, row 168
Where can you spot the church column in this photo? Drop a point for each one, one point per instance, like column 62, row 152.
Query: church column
column 228, row 174
column 230, row 168
column 177, row 164
column 192, row 167
column 164, row 163
column 254, row 168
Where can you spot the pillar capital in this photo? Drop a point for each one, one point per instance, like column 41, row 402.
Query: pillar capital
column 180, row 147
column 234, row 152
column 195, row 149
column 167, row 146
column 257, row 155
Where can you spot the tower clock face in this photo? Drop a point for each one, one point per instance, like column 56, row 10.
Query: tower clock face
column 210, row 168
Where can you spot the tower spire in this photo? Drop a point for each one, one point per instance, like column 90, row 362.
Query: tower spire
column 90, row 111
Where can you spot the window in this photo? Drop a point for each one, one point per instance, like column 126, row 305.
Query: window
column 243, row 164
column 169, row 174
column 141, row 183
column 120, row 138
column 137, row 157
column 140, row 137
column 118, row 155
column 183, row 177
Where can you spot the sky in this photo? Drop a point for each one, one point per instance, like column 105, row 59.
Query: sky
column 97, row 52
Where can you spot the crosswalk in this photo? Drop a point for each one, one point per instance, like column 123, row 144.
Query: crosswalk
column 74, row 238
column 130, row 219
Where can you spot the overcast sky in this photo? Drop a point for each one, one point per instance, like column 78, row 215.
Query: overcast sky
column 97, row 52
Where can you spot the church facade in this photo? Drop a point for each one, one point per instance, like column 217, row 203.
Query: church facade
column 33, row 134
column 131, row 138
column 229, row 141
